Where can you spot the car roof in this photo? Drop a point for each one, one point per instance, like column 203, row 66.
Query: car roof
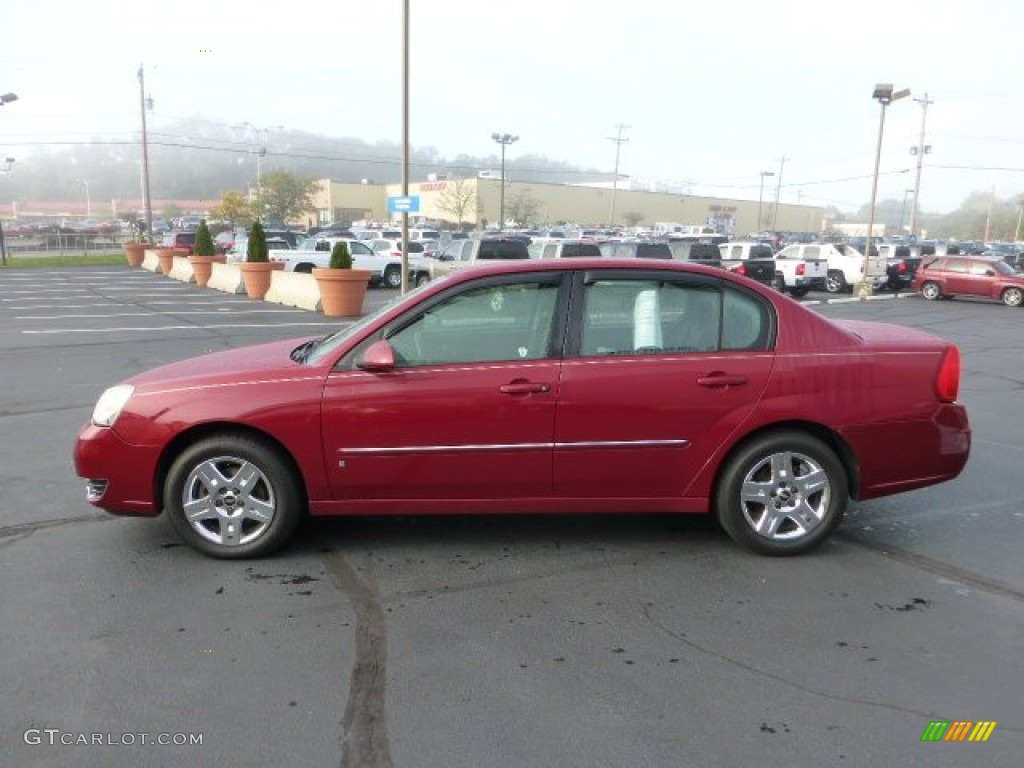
column 597, row 263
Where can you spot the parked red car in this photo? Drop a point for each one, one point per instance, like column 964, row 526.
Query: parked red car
column 987, row 278
column 537, row 386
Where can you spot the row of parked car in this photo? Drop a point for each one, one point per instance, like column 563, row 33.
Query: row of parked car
column 796, row 269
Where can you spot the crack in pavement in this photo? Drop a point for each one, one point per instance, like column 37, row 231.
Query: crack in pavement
column 365, row 741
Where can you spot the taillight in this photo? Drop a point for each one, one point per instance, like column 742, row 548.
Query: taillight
column 947, row 383
column 800, row 268
column 902, row 269
column 741, row 269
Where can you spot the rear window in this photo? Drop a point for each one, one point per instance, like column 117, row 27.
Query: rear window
column 653, row 251
column 578, row 250
column 502, row 249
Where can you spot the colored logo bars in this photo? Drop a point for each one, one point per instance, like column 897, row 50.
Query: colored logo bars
column 958, row 730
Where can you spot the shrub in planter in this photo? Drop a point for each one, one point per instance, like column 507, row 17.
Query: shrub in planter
column 256, row 249
column 204, row 241
column 342, row 288
column 257, row 266
column 340, row 256
column 204, row 256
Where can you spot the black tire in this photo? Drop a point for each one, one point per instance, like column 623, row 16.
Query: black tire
column 782, row 493
column 422, row 279
column 931, row 291
column 799, row 292
column 304, row 268
column 1013, row 297
column 779, row 283
column 835, row 281
column 392, row 277
column 233, row 521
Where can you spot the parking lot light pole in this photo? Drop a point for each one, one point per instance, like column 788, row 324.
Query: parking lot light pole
column 885, row 96
column 504, row 139
column 760, row 197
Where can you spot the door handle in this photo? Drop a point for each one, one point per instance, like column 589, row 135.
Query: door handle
column 524, row 388
column 721, row 380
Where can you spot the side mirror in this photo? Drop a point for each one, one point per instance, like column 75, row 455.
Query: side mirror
column 379, row 357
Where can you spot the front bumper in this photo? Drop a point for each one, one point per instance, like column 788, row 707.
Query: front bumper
column 119, row 476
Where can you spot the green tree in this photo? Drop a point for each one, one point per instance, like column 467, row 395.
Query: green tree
column 286, row 196
column 632, row 218
column 204, row 241
column 256, row 248
column 235, row 208
column 340, row 257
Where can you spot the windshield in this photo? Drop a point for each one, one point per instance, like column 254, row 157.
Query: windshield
column 326, row 346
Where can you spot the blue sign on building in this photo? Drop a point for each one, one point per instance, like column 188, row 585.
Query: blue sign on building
column 410, row 204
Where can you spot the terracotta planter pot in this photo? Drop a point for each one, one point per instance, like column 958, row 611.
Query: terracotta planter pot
column 256, row 276
column 342, row 291
column 135, row 253
column 166, row 258
column 202, row 268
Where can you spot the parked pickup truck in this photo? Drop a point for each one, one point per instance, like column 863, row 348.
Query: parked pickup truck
column 845, row 264
column 462, row 253
column 316, row 252
column 798, row 269
column 752, row 259
column 901, row 263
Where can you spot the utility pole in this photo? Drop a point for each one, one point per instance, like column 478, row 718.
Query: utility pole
column 147, row 201
column 619, row 140
column 778, row 188
column 920, row 150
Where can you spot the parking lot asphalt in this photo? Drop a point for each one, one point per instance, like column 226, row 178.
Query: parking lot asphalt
column 512, row 641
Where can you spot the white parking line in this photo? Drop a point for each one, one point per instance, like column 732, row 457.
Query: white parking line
column 183, row 327
column 218, row 311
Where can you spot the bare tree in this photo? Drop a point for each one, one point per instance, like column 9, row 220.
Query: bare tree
column 632, row 218
column 523, row 208
column 457, row 199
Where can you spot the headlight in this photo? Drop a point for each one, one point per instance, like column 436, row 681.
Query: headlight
column 110, row 405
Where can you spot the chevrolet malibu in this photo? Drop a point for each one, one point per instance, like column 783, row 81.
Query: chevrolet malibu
column 600, row 385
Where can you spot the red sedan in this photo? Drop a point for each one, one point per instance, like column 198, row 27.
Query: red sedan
column 595, row 385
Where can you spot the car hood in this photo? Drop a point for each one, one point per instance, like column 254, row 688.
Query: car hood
column 233, row 365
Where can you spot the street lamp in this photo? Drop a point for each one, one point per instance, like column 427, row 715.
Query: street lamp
column 760, row 197
column 903, row 210
column 885, row 96
column 504, row 139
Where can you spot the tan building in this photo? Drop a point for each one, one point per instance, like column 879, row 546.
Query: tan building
column 476, row 203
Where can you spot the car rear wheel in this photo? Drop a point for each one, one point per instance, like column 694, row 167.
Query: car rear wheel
column 799, row 292
column 781, row 494
column 393, row 277
column 835, row 281
column 931, row 291
column 232, row 496
column 1013, row 297
column 422, row 279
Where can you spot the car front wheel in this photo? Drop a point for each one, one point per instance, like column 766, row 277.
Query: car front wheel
column 931, row 291
column 781, row 494
column 232, row 496
column 1013, row 297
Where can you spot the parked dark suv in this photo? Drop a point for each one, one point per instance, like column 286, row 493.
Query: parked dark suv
column 179, row 239
column 948, row 276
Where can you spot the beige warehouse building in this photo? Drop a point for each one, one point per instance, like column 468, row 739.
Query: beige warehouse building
column 476, row 203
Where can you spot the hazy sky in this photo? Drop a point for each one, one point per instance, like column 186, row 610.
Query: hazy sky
column 713, row 93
